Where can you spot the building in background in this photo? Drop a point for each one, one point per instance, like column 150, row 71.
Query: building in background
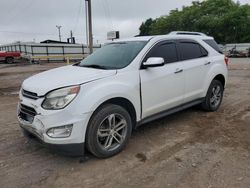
column 48, row 48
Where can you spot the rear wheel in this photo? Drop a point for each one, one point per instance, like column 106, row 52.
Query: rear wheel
column 109, row 131
column 9, row 60
column 214, row 96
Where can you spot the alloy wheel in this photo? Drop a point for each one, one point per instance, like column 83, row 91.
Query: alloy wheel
column 216, row 96
column 112, row 132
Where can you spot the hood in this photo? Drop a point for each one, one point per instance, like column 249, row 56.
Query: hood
column 46, row 81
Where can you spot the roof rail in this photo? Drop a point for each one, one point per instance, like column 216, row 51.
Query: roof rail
column 186, row 33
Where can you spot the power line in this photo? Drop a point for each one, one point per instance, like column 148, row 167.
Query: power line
column 105, row 13
column 20, row 10
column 15, row 5
column 108, row 9
column 80, row 10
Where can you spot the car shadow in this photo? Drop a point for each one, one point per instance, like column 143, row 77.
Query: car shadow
column 148, row 127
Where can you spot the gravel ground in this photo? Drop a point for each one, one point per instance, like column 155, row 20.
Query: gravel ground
column 191, row 148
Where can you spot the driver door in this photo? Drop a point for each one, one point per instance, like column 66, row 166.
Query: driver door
column 162, row 87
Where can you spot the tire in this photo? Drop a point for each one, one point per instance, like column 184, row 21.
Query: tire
column 108, row 126
column 9, row 60
column 214, row 97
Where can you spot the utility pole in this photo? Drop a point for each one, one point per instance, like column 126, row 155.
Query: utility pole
column 59, row 31
column 89, row 16
column 87, row 29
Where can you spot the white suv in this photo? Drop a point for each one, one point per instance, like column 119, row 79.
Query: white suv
column 96, row 103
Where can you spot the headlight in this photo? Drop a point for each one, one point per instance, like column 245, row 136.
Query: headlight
column 60, row 98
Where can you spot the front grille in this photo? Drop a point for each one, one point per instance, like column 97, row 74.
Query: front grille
column 27, row 113
column 29, row 94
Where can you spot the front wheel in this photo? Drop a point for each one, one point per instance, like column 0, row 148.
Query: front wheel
column 214, row 96
column 108, row 131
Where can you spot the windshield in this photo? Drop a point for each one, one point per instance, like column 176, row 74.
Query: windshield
column 114, row 55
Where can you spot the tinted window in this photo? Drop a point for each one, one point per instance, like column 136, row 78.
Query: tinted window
column 191, row 50
column 166, row 51
column 213, row 44
column 204, row 51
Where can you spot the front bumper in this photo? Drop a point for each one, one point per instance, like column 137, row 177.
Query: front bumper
column 72, row 145
column 73, row 150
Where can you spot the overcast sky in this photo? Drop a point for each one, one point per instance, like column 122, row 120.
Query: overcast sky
column 36, row 20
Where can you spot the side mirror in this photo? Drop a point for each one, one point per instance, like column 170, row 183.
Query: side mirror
column 153, row 62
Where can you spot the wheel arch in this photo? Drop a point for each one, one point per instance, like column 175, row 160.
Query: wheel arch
column 123, row 102
column 217, row 72
column 9, row 57
column 220, row 78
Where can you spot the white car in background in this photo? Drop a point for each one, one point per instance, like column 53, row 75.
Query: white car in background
column 95, row 104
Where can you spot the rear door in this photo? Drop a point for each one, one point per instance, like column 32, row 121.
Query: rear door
column 195, row 66
column 162, row 87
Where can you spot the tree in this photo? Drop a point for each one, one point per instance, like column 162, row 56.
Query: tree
column 225, row 20
column 145, row 27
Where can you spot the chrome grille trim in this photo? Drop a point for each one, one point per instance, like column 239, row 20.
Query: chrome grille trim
column 30, row 95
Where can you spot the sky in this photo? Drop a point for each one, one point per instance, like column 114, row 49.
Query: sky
column 36, row 20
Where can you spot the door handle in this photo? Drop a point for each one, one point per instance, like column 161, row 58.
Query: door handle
column 208, row 63
column 178, row 71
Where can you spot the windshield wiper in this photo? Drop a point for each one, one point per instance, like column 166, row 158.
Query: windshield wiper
column 76, row 64
column 94, row 66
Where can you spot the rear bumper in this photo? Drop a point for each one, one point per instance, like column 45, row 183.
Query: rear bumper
column 73, row 150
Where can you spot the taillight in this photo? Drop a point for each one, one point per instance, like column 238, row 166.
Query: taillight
column 226, row 60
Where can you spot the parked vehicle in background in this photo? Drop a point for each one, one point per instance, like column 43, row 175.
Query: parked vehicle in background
column 235, row 53
column 248, row 52
column 98, row 102
column 237, row 50
column 9, row 57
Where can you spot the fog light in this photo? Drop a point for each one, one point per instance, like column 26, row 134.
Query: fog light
column 60, row 132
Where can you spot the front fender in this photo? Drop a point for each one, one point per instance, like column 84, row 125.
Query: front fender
column 123, row 85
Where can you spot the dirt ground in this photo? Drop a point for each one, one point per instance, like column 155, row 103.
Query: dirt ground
column 189, row 149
